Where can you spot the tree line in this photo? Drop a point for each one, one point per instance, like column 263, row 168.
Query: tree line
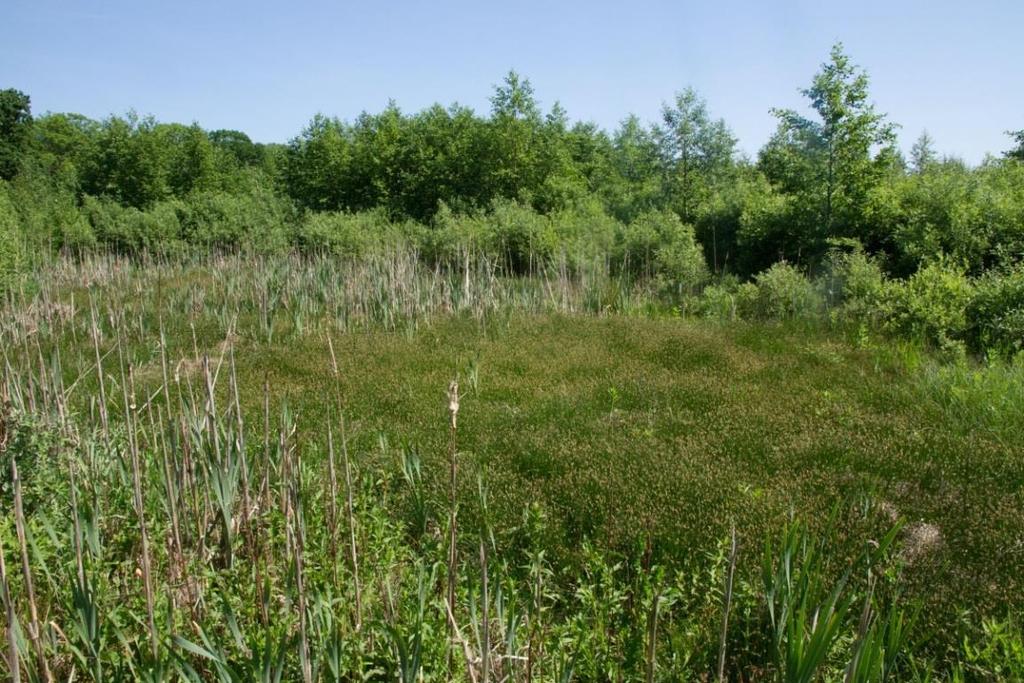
column 831, row 179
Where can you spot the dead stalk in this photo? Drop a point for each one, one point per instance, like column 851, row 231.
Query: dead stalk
column 728, row 605
column 26, row 572
column 349, row 507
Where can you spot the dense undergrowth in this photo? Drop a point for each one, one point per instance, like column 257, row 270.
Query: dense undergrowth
column 265, row 478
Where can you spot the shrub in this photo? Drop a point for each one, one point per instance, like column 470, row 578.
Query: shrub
column 344, row 234
column 76, row 234
column 783, row 292
column 930, row 305
column 129, row 229
column 679, row 258
column 257, row 221
column 584, row 232
column 853, row 284
column 718, row 301
column 451, row 234
column 520, row 236
column 658, row 243
column 995, row 316
column 637, row 245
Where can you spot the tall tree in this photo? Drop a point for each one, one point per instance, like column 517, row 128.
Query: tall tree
column 15, row 124
column 1018, row 151
column 696, row 150
column 832, row 162
column 922, row 154
column 516, row 133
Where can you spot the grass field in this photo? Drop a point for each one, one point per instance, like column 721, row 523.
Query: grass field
column 639, row 438
column 621, row 426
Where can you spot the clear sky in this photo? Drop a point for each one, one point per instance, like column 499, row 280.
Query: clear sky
column 955, row 68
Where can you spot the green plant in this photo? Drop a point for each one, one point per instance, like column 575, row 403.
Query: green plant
column 995, row 314
column 784, row 293
column 930, row 306
column 10, row 241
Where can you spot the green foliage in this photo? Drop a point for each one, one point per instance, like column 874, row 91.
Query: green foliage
column 522, row 238
column 1018, row 151
column 830, row 165
column 930, row 306
column 995, row 314
column 853, row 284
column 219, row 219
column 15, row 127
column 342, row 234
column 10, row 241
column 128, row 229
column 695, row 150
column 679, row 259
column 659, row 244
column 975, row 216
column 784, row 293
column 996, row 655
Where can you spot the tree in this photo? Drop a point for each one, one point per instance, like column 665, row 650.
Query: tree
column 634, row 182
column 129, row 162
column 238, row 145
column 515, row 133
column 317, row 163
column 15, row 124
column 695, row 149
column 1017, row 152
column 191, row 158
column 922, row 154
column 831, row 163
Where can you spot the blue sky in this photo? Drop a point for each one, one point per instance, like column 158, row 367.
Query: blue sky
column 953, row 68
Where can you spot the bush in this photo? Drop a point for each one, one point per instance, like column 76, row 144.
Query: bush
column 853, row 284
column 783, row 293
column 930, row 306
column 10, row 242
column 995, row 316
column 585, row 233
column 520, row 236
column 658, row 243
column 451, row 234
column 128, row 229
column 76, row 234
column 257, row 221
column 679, row 258
column 344, row 234
column 728, row 299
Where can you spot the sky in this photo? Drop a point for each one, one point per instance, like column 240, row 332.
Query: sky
column 955, row 69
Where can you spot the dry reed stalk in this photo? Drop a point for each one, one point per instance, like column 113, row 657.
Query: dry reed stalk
column 453, row 414
column 349, row 507
column 140, row 511
column 26, row 571
column 11, row 623
column 485, row 622
column 332, row 509
column 244, row 460
column 652, row 635
column 728, row 605
column 5, row 591
column 104, row 420
column 171, row 489
column 467, row 651
column 295, row 526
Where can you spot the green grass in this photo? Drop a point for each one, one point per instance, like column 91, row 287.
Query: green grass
column 619, row 425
